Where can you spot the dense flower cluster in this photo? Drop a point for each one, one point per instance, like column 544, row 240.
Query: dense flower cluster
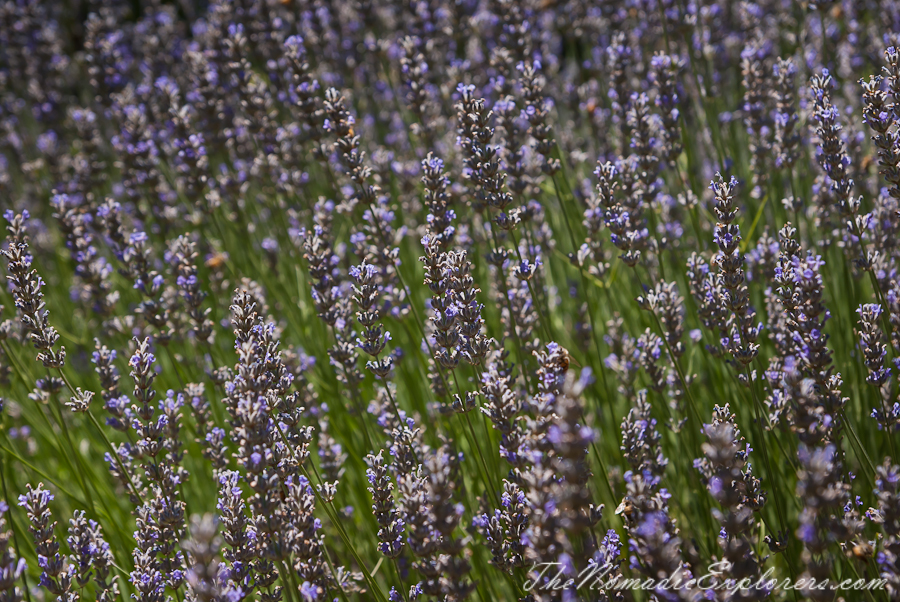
column 449, row 300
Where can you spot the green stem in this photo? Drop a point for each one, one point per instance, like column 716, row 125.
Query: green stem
column 485, row 472
column 115, row 456
column 773, row 480
column 12, row 526
column 332, row 514
column 77, row 456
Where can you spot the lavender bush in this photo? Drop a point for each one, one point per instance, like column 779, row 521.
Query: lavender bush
column 450, row 300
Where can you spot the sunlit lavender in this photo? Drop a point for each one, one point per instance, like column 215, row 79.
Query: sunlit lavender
column 369, row 300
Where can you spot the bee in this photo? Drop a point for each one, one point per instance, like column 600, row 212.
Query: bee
column 863, row 551
column 626, row 508
column 566, row 359
column 216, row 260
column 867, row 162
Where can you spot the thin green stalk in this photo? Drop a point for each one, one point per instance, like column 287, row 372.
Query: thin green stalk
column 399, row 580
column 495, row 464
column 773, row 480
column 485, row 472
column 89, row 505
column 387, row 388
column 584, row 286
column 884, row 409
column 885, row 322
column 865, row 456
column 504, row 289
column 534, row 297
column 77, row 456
column 23, row 374
column 43, row 475
column 334, row 574
column 612, row 495
column 603, row 377
column 332, row 514
column 12, row 526
column 290, row 584
column 473, row 443
column 337, row 523
column 115, row 456
column 562, row 209
column 354, row 398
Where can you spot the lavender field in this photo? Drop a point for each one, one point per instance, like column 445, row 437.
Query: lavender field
column 381, row 300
